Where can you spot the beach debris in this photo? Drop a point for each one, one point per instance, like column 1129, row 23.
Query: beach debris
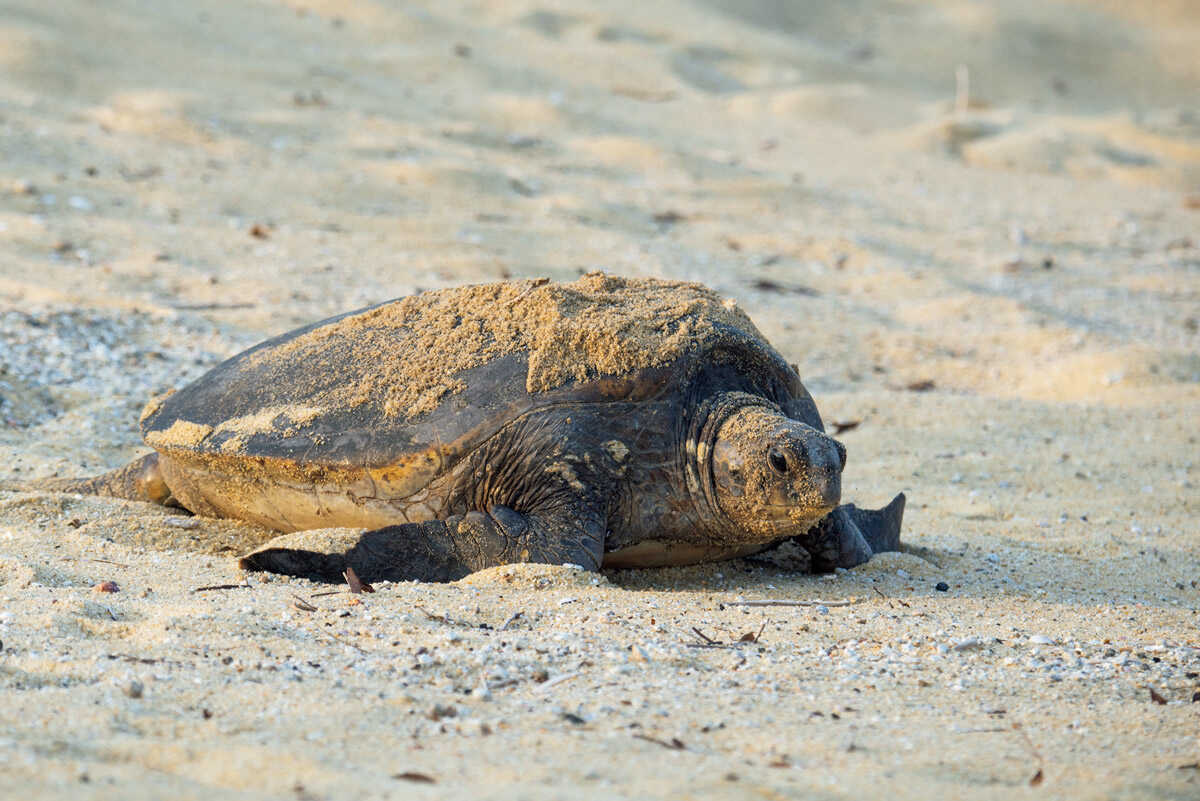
column 1041, row 639
column 967, row 644
column 437, row 618
column 302, row 605
column 768, row 285
column 357, row 585
column 922, row 385
column 440, row 711
column 668, row 217
column 1038, row 775
column 107, row 586
column 212, row 587
column 560, row 679
column 752, row 636
column 134, row 689
column 414, row 776
column 841, row 426
column 260, row 231
column 942, row 586
column 1156, row 698
column 674, row 744
column 790, row 602
column 181, row 522
column 513, row 618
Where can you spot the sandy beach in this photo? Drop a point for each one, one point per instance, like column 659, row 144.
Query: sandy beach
column 974, row 227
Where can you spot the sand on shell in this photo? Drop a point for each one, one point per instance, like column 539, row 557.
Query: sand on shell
column 994, row 294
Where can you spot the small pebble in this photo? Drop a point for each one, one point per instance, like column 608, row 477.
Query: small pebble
column 135, row 689
column 107, row 586
column 1041, row 639
column 968, row 644
column 942, row 586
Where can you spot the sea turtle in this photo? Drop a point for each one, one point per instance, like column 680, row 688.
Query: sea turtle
column 611, row 422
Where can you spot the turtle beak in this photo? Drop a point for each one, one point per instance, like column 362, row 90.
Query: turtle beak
column 814, row 462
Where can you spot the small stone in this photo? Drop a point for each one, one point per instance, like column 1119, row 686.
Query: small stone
column 135, row 689
column 968, row 644
column 439, row 711
column 107, row 586
column 1041, row 639
column 942, row 586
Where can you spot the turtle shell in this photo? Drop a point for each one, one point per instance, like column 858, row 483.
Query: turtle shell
column 395, row 394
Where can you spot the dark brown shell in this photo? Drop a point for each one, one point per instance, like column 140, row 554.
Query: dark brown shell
column 257, row 411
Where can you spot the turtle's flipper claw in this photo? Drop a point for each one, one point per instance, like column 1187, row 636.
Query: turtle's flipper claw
column 880, row 527
column 295, row 562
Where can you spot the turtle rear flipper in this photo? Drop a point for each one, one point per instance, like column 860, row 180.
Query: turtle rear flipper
column 435, row 550
column 140, row 480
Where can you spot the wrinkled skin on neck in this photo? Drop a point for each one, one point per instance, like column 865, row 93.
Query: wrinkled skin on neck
column 773, row 476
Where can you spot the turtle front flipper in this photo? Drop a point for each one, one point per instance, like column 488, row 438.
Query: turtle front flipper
column 849, row 536
column 437, row 550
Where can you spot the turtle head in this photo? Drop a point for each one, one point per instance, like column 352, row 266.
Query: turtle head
column 773, row 476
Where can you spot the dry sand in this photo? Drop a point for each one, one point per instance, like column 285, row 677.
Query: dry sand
column 179, row 181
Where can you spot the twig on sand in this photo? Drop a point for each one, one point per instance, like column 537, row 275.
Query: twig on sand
column 559, row 680
column 1038, row 776
column 707, row 640
column 336, row 638
column 224, row 587
column 789, row 602
column 674, row 744
column 879, row 592
column 108, row 562
column 431, row 615
column 511, row 619
column 302, row 605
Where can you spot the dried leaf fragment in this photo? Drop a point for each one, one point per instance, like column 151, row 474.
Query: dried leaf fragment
column 357, row 585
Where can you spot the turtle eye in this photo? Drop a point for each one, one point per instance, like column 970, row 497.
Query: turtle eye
column 777, row 461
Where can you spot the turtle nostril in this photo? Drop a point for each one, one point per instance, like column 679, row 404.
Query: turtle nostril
column 778, row 462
